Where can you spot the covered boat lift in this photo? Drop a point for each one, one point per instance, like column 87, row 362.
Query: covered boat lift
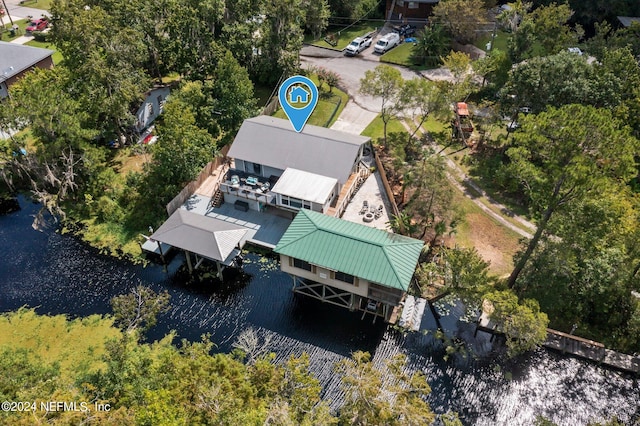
column 206, row 237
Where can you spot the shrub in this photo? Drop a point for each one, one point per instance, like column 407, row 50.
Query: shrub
column 41, row 36
column 108, row 210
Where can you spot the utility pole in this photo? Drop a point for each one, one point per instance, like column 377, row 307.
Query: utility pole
column 8, row 14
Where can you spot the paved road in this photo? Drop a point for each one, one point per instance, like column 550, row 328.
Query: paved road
column 19, row 11
column 351, row 70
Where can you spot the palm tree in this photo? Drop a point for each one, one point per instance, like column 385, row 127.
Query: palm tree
column 432, row 43
column 402, row 224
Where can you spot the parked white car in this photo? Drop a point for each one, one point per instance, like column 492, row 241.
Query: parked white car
column 357, row 45
column 387, row 43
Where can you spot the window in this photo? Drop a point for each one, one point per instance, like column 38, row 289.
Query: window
column 341, row 276
column 413, row 5
column 301, row 264
column 257, row 169
column 150, row 109
column 296, row 203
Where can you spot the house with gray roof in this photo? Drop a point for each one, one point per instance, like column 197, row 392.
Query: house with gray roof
column 273, row 165
column 17, row 59
column 627, row 21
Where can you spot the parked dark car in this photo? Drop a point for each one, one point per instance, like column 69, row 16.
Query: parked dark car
column 405, row 30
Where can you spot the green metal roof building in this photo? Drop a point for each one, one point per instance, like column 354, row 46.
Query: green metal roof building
column 348, row 258
column 365, row 252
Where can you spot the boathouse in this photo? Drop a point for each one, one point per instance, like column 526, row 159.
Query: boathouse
column 348, row 264
column 203, row 237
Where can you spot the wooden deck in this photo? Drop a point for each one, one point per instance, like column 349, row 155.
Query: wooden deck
column 344, row 193
column 210, row 185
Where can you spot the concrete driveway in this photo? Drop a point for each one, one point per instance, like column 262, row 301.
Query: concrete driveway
column 354, row 119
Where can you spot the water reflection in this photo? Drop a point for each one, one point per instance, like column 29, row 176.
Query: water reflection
column 58, row 274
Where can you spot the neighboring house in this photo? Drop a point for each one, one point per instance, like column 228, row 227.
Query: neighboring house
column 17, row 59
column 298, row 95
column 151, row 107
column 348, row 264
column 626, row 21
column 418, row 10
column 275, row 165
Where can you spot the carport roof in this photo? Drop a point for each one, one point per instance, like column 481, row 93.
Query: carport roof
column 206, row 236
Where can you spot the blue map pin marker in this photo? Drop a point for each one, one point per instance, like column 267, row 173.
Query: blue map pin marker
column 298, row 97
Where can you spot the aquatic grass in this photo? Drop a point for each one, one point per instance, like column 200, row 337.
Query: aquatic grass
column 57, row 340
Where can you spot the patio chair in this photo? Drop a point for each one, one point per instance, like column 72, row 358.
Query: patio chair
column 378, row 212
column 365, row 207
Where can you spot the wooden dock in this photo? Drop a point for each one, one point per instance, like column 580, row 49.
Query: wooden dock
column 574, row 345
column 594, row 351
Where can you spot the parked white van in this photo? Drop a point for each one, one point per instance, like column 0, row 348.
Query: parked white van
column 387, row 42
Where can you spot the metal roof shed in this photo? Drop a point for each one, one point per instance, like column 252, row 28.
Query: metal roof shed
column 377, row 256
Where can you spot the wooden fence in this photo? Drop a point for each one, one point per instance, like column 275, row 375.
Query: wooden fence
column 271, row 107
column 192, row 186
column 387, row 187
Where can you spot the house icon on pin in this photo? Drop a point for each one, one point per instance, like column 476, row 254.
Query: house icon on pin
column 298, row 95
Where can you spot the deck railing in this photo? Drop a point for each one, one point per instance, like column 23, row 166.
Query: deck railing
column 247, row 192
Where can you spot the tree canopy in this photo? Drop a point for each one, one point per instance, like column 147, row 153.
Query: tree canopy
column 566, row 155
column 184, row 382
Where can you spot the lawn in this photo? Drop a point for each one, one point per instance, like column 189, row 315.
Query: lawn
column 329, row 106
column 5, row 35
column 399, row 55
column 37, row 4
column 344, row 36
column 494, row 242
column 435, row 126
column 57, row 56
column 375, row 129
column 500, row 42
column 263, row 94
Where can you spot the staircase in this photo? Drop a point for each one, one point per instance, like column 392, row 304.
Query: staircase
column 217, row 199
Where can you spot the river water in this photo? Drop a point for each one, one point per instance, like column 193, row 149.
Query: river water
column 59, row 275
